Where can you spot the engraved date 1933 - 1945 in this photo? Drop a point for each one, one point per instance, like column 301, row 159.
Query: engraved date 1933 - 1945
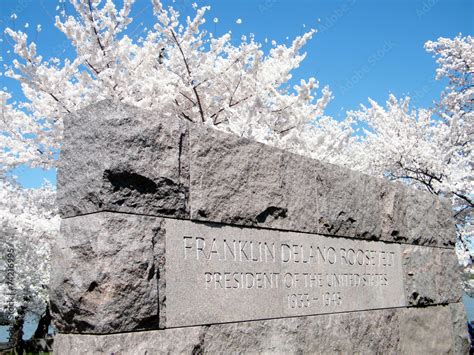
column 305, row 300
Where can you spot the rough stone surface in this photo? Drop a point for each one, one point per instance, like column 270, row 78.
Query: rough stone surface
column 118, row 272
column 461, row 335
column 105, row 274
column 412, row 331
column 420, row 218
column 122, row 171
column 238, row 181
column 119, row 158
column 116, row 157
column 432, row 275
column 169, row 341
column 111, row 275
column 426, row 331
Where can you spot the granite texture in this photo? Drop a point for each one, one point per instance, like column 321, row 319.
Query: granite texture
column 426, row 330
column 240, row 274
column 432, row 275
column 116, row 157
column 124, row 173
column 137, row 161
column 421, row 218
column 111, row 272
column 104, row 275
column 238, row 181
column 116, row 272
column 391, row 331
column 460, row 332
column 169, row 341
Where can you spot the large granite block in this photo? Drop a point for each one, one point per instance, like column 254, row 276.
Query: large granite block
column 432, row 275
column 426, row 330
column 420, row 218
column 460, row 333
column 104, row 273
column 115, row 272
column 169, row 341
column 115, row 157
column 238, row 181
column 120, row 158
column 183, row 239
column 414, row 331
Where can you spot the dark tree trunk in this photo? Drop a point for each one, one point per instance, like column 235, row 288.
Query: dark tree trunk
column 42, row 330
column 16, row 332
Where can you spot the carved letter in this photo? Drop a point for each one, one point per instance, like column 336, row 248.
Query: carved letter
column 186, row 246
column 283, row 259
column 200, row 248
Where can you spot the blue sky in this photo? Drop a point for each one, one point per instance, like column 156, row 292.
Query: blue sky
column 364, row 48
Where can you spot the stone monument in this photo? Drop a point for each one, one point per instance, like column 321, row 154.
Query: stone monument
column 177, row 238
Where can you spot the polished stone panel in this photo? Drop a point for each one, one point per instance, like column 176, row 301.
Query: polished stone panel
column 219, row 273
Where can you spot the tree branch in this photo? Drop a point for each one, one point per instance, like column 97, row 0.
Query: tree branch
column 198, row 99
column 91, row 19
column 465, row 198
column 186, row 96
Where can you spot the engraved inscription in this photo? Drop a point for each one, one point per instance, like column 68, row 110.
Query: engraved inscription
column 218, row 273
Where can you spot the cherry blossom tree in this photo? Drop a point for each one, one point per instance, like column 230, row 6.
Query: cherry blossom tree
column 176, row 68
column 29, row 222
column 430, row 149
